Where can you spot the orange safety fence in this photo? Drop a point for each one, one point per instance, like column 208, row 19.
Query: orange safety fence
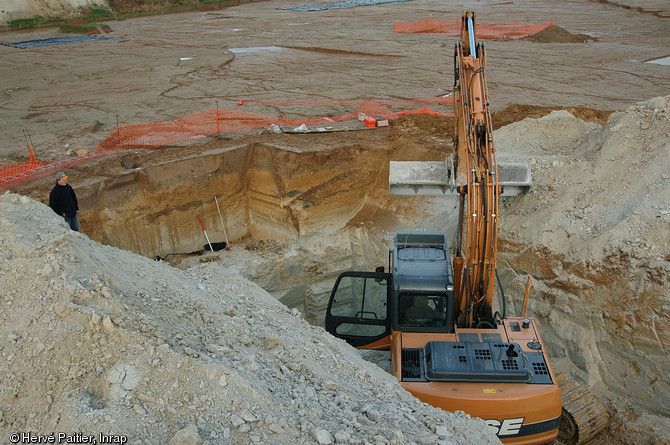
column 9, row 170
column 487, row 31
column 16, row 168
column 201, row 125
column 14, row 173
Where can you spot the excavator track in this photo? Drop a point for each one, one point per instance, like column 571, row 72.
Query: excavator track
column 583, row 416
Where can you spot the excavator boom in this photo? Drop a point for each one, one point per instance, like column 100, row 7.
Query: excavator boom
column 477, row 182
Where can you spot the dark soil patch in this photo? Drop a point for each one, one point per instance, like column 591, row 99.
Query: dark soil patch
column 590, row 115
column 339, row 51
column 423, row 123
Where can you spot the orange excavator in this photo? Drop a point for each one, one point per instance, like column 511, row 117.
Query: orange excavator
column 448, row 346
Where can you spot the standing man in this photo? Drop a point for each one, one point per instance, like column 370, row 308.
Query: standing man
column 63, row 201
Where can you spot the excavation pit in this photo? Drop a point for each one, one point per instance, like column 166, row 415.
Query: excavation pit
column 296, row 210
column 592, row 233
column 300, row 208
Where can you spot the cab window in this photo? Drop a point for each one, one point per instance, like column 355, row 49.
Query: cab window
column 360, row 297
column 420, row 310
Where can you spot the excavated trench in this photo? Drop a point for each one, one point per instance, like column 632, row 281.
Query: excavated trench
column 293, row 219
column 254, row 190
column 296, row 210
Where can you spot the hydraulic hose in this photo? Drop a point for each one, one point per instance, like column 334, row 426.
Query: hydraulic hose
column 502, row 293
column 486, row 223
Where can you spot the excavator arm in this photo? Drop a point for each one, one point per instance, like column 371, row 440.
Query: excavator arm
column 477, row 182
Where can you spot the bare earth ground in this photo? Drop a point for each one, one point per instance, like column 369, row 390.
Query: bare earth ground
column 60, row 94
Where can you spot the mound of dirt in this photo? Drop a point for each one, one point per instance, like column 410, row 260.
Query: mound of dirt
column 588, row 178
column 100, row 340
column 516, row 112
column 421, row 137
column 593, row 234
column 556, row 34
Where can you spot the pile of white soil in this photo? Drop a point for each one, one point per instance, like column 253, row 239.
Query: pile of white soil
column 594, row 235
column 100, row 340
column 597, row 191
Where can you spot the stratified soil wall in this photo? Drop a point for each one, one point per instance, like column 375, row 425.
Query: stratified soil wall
column 261, row 191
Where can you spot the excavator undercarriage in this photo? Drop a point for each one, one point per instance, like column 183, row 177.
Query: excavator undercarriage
column 583, row 416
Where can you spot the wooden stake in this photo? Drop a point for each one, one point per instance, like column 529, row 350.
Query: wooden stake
column 222, row 223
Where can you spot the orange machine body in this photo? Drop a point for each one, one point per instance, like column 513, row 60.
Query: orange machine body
column 518, row 413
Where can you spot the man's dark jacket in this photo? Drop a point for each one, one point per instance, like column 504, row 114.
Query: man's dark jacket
column 63, row 200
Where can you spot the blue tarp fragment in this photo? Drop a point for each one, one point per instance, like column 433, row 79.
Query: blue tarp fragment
column 342, row 4
column 56, row 41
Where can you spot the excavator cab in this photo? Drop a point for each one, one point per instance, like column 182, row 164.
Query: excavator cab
column 365, row 308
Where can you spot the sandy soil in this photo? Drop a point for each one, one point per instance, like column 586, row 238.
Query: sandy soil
column 587, row 236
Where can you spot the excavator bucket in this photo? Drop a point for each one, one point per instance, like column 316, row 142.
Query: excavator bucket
column 437, row 178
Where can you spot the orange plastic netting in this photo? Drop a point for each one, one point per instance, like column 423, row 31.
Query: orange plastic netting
column 206, row 123
column 452, row 27
column 9, row 170
column 212, row 121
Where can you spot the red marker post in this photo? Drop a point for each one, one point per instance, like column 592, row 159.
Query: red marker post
column 205, row 232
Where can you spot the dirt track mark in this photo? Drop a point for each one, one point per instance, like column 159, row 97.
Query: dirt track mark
column 639, row 9
column 339, row 51
column 82, row 104
column 656, row 58
column 186, row 79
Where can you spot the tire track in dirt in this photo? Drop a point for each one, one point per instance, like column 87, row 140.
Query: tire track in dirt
column 658, row 13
